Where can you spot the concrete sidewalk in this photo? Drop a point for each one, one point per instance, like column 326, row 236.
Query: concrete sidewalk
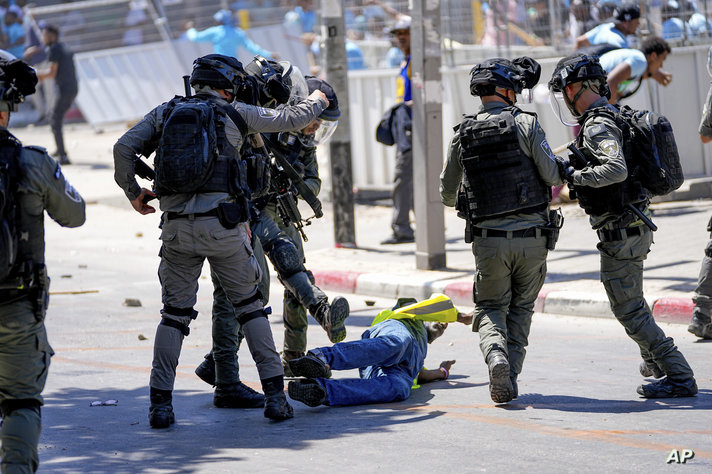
column 572, row 285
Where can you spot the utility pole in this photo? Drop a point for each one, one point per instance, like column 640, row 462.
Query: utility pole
column 427, row 134
column 334, row 34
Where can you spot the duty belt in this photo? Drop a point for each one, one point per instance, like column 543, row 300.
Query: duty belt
column 12, row 295
column 611, row 235
column 510, row 234
column 178, row 215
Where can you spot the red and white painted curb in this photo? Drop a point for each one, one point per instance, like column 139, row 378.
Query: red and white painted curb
column 666, row 309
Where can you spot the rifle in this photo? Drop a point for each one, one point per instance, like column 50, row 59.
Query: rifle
column 284, row 180
column 581, row 159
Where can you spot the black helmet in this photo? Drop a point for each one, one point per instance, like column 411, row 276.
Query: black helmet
column 578, row 68
column 17, row 80
column 332, row 112
column 220, row 72
column 273, row 86
column 626, row 12
column 522, row 73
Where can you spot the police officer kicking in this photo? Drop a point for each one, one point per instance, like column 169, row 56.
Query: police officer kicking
column 205, row 215
column 498, row 175
column 277, row 83
column 606, row 189
column 30, row 183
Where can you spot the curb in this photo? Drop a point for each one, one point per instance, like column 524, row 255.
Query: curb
column 665, row 309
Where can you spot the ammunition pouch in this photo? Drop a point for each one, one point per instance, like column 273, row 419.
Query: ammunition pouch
column 230, row 214
column 31, row 282
column 556, row 222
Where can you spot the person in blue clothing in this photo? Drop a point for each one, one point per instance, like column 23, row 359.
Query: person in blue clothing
column 14, row 33
column 627, row 18
column 628, row 68
column 226, row 37
column 389, row 356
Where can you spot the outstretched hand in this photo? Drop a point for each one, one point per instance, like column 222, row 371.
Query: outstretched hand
column 465, row 318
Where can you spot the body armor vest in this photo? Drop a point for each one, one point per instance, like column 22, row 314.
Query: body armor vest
column 498, row 177
column 226, row 175
column 612, row 198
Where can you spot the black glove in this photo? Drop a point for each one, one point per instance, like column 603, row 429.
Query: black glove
column 566, row 171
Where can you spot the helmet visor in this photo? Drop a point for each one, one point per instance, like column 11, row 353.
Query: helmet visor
column 325, row 131
column 298, row 89
column 561, row 110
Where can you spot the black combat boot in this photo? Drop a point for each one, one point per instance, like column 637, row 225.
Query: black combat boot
column 666, row 388
column 276, row 406
column 700, row 326
column 651, row 369
column 309, row 392
column 500, row 386
column 206, row 369
column 331, row 317
column 313, row 365
column 237, row 395
column 160, row 415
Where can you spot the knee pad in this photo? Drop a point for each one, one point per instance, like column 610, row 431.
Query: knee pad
column 285, row 257
column 171, row 323
column 8, row 406
column 247, row 317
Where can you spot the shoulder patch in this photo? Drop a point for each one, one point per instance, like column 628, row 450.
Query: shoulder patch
column 609, row 148
column 71, row 192
column 267, row 113
column 595, row 130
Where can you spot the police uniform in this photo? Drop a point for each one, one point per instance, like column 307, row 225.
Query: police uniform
column 191, row 232
column 510, row 248
column 624, row 240
column 700, row 324
column 24, row 349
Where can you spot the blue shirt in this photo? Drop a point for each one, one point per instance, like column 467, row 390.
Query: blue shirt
column 15, row 32
column 673, row 29
column 305, row 19
column 607, row 33
column 699, row 25
column 226, row 40
column 633, row 57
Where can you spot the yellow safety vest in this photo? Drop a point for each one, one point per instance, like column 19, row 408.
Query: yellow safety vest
column 438, row 308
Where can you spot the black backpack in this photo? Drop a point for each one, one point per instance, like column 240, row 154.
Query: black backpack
column 10, row 150
column 654, row 150
column 187, row 150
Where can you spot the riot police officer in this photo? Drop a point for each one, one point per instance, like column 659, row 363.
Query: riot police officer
column 208, row 222
column 498, row 175
column 701, row 324
column 277, row 83
column 36, row 184
column 609, row 191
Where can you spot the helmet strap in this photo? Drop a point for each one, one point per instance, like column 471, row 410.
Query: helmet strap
column 504, row 97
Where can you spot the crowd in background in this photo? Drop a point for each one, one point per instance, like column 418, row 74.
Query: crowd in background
column 548, row 23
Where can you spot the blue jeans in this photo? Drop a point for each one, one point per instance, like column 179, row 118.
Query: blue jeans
column 389, row 357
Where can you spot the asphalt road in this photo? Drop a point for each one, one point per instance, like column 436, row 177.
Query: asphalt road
column 577, row 410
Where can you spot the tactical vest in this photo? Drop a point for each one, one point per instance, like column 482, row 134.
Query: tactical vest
column 226, row 175
column 30, row 230
column 499, row 179
column 614, row 197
